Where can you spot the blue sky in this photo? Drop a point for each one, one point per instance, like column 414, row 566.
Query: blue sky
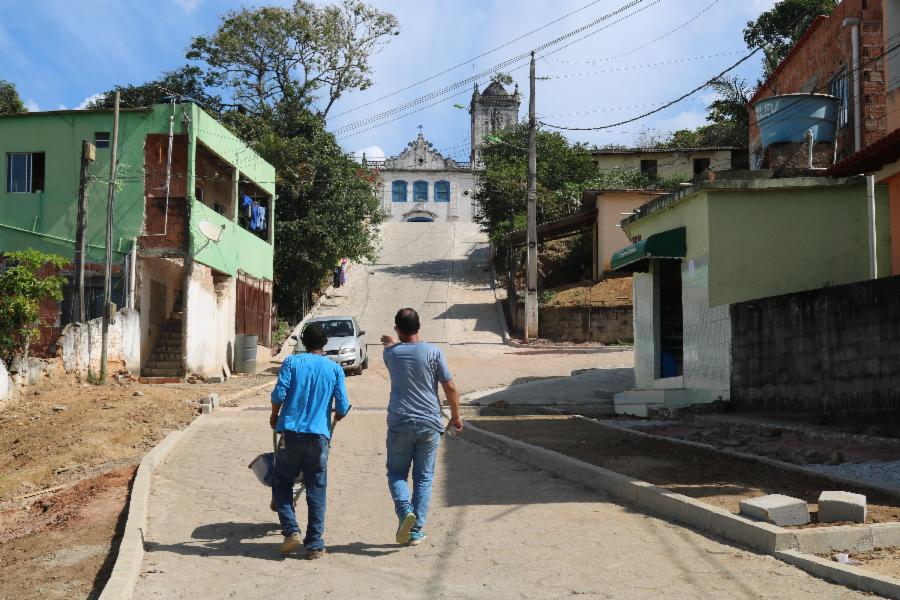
column 60, row 52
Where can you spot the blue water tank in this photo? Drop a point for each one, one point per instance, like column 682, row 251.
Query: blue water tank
column 788, row 117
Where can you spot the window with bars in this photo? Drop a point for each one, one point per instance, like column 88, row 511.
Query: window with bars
column 398, row 191
column 648, row 168
column 420, row 191
column 838, row 88
column 442, row 191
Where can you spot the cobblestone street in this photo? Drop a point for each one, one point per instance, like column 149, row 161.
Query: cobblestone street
column 497, row 529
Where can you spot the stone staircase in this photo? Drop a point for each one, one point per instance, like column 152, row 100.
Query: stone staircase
column 165, row 359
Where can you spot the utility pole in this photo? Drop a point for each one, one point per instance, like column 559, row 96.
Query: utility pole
column 511, row 299
column 107, row 270
column 531, row 295
column 88, row 154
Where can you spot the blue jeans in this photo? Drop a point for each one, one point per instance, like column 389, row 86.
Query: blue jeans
column 306, row 454
column 411, row 445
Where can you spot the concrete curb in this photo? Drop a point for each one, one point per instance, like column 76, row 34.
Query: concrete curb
column 847, row 575
column 787, row 545
column 634, row 492
column 127, row 568
column 760, row 459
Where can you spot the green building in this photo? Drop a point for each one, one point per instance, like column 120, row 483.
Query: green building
column 193, row 229
column 697, row 251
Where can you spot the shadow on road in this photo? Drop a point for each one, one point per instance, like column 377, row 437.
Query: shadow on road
column 245, row 539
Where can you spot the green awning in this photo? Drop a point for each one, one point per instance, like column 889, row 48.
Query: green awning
column 667, row 244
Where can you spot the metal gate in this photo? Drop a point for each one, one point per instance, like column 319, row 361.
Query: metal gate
column 253, row 314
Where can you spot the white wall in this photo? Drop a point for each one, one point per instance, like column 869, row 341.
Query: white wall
column 459, row 208
column 209, row 317
column 707, row 332
column 645, row 330
column 81, row 344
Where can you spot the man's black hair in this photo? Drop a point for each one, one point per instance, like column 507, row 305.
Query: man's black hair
column 313, row 337
column 407, row 321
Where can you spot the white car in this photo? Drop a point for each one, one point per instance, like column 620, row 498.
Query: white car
column 346, row 343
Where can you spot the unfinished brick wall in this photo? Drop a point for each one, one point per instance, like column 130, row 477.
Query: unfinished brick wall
column 820, row 55
column 832, row 351
column 165, row 221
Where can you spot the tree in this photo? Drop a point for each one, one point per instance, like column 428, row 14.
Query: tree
column 501, row 185
column 10, row 102
column 184, row 83
column 22, row 287
column 779, row 28
column 326, row 207
column 270, row 54
column 728, row 120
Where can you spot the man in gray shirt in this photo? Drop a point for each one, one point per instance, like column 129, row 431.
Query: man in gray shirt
column 415, row 422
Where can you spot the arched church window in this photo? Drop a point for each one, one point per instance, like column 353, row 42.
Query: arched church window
column 420, row 191
column 442, row 191
column 398, row 191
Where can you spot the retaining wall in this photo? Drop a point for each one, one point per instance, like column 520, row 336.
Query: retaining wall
column 829, row 351
column 602, row 324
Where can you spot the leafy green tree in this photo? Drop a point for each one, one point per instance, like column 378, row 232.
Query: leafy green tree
column 184, row 83
column 781, row 26
column 22, row 287
column 10, row 102
column 269, row 54
column 502, row 184
column 327, row 205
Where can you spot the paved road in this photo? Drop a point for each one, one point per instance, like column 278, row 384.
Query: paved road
column 498, row 529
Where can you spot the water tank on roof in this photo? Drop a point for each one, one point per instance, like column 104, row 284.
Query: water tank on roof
column 787, row 118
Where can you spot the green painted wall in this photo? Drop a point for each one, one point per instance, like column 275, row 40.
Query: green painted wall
column 691, row 213
column 765, row 240
column 237, row 249
column 46, row 220
column 221, row 141
column 773, row 242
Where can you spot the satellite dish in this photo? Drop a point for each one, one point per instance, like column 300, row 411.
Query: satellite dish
column 212, row 232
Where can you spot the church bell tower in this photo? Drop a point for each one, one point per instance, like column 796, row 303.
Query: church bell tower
column 491, row 110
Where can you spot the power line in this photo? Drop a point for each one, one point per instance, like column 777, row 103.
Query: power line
column 664, row 106
column 643, row 66
column 471, row 60
column 507, row 63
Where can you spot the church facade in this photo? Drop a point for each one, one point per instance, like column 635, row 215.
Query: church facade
column 420, row 184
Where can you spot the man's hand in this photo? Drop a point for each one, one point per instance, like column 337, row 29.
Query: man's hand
column 338, row 417
column 456, row 422
column 388, row 341
column 273, row 418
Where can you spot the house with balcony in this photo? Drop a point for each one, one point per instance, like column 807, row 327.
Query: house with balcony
column 193, row 226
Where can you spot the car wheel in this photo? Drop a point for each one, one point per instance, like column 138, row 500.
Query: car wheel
column 365, row 362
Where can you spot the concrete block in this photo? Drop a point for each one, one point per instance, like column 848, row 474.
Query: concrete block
column 759, row 536
column 214, row 400
column 824, row 540
column 842, row 506
column 215, row 379
column 205, row 408
column 777, row 509
column 886, row 535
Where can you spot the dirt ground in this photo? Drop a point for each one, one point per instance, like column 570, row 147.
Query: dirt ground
column 609, row 292
column 885, row 561
column 707, row 475
column 786, row 442
column 68, row 452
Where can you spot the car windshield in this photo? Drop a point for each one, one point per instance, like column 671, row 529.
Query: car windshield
column 337, row 328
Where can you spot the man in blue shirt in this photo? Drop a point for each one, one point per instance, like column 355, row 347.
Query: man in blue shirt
column 415, row 422
column 310, row 387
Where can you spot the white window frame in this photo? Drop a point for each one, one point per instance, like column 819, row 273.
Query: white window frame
column 9, row 172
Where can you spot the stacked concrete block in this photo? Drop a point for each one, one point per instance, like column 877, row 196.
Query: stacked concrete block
column 209, row 404
column 842, row 506
column 777, row 509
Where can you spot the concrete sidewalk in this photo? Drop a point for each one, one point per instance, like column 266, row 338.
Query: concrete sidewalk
column 497, row 529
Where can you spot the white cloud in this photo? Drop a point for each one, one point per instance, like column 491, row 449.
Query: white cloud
column 88, row 100
column 688, row 119
column 188, row 6
column 32, row 106
column 371, row 152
